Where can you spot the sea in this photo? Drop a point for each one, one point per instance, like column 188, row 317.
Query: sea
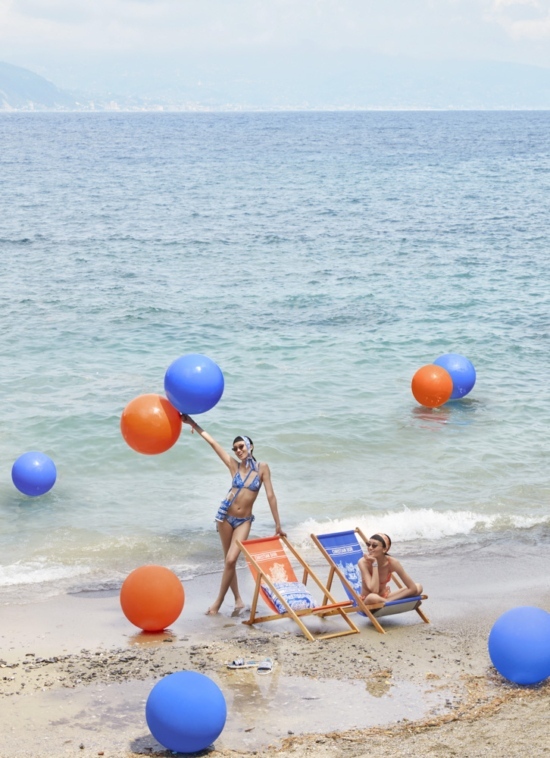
column 320, row 259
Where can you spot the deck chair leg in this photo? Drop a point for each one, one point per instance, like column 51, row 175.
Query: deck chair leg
column 328, row 584
column 254, row 602
column 374, row 621
column 354, row 629
column 300, row 623
column 423, row 616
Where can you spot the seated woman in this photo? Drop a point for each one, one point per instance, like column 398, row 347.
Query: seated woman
column 376, row 568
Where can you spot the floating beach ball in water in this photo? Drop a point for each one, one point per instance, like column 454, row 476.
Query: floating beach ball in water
column 519, row 645
column 152, row 598
column 186, row 711
column 462, row 373
column 432, row 386
column 150, row 424
column 34, row 473
column 193, row 383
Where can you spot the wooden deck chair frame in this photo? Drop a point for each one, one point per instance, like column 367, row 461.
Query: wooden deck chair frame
column 359, row 603
column 331, row 608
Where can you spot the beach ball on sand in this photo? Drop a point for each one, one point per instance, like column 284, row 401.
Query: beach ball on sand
column 150, row 424
column 432, row 386
column 193, row 383
column 519, row 645
column 152, row 598
column 34, row 473
column 186, row 711
column 461, row 371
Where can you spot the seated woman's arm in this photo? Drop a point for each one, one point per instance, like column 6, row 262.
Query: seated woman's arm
column 369, row 576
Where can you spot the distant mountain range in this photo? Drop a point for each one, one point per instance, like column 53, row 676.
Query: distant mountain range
column 20, row 89
column 337, row 82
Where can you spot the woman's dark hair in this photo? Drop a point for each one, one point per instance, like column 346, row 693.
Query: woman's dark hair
column 385, row 540
column 241, row 439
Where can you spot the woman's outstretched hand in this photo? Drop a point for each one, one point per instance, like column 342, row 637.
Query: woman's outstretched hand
column 188, row 420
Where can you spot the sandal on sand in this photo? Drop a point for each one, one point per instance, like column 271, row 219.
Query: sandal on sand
column 240, row 663
column 265, row 666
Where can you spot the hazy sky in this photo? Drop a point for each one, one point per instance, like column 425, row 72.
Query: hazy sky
column 64, row 38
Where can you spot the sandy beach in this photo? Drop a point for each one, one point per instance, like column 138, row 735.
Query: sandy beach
column 75, row 676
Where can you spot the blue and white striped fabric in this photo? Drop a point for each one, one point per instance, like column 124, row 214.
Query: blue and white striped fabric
column 296, row 595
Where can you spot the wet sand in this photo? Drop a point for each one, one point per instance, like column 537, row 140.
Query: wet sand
column 75, row 676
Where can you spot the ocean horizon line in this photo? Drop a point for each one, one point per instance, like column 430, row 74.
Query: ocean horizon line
column 246, row 109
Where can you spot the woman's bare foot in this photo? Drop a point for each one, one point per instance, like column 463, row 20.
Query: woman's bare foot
column 212, row 611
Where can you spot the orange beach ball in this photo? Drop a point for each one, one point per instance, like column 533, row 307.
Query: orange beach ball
column 150, row 424
column 152, row 598
column 432, row 385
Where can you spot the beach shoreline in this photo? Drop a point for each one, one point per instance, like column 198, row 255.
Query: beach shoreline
column 76, row 673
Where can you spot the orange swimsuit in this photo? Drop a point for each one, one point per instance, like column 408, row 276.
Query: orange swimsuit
column 384, row 589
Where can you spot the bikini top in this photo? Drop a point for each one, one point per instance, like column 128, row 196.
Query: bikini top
column 254, row 486
column 390, row 569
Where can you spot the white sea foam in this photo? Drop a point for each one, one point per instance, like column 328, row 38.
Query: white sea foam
column 38, row 572
column 412, row 524
column 47, row 572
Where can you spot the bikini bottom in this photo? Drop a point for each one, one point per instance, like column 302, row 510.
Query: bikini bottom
column 234, row 521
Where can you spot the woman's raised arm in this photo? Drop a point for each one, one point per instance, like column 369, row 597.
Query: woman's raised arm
column 216, row 447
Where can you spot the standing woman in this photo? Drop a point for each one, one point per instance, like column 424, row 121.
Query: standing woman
column 234, row 517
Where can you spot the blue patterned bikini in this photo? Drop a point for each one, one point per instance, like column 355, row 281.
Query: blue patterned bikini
column 238, row 485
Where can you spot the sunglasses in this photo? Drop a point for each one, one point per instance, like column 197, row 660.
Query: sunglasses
column 238, row 448
column 372, row 545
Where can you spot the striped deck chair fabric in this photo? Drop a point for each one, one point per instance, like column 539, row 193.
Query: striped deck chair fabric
column 277, row 585
column 343, row 552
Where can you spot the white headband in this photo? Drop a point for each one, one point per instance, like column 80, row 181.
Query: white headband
column 249, row 459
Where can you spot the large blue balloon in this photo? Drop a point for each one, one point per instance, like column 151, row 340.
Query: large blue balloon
column 462, row 373
column 193, row 383
column 186, row 711
column 519, row 645
column 34, row 473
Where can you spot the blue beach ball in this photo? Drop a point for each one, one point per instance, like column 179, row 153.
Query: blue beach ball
column 186, row 711
column 193, row 383
column 34, row 474
column 462, row 373
column 519, row 645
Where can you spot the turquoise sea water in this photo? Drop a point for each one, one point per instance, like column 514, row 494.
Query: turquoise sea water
column 319, row 259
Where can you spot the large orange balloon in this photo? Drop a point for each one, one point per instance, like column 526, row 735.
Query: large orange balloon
column 152, row 598
column 150, row 424
column 432, row 385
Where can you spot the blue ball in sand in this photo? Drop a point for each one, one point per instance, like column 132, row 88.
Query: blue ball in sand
column 519, row 645
column 193, row 383
column 34, row 473
column 462, row 373
column 186, row 711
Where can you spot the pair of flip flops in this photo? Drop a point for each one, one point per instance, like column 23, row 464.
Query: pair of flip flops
column 262, row 667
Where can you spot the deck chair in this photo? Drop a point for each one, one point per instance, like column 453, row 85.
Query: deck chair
column 342, row 550
column 276, row 584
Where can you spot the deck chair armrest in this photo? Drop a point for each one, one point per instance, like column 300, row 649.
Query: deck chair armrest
column 339, row 604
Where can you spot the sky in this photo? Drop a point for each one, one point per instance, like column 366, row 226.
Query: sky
column 101, row 43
